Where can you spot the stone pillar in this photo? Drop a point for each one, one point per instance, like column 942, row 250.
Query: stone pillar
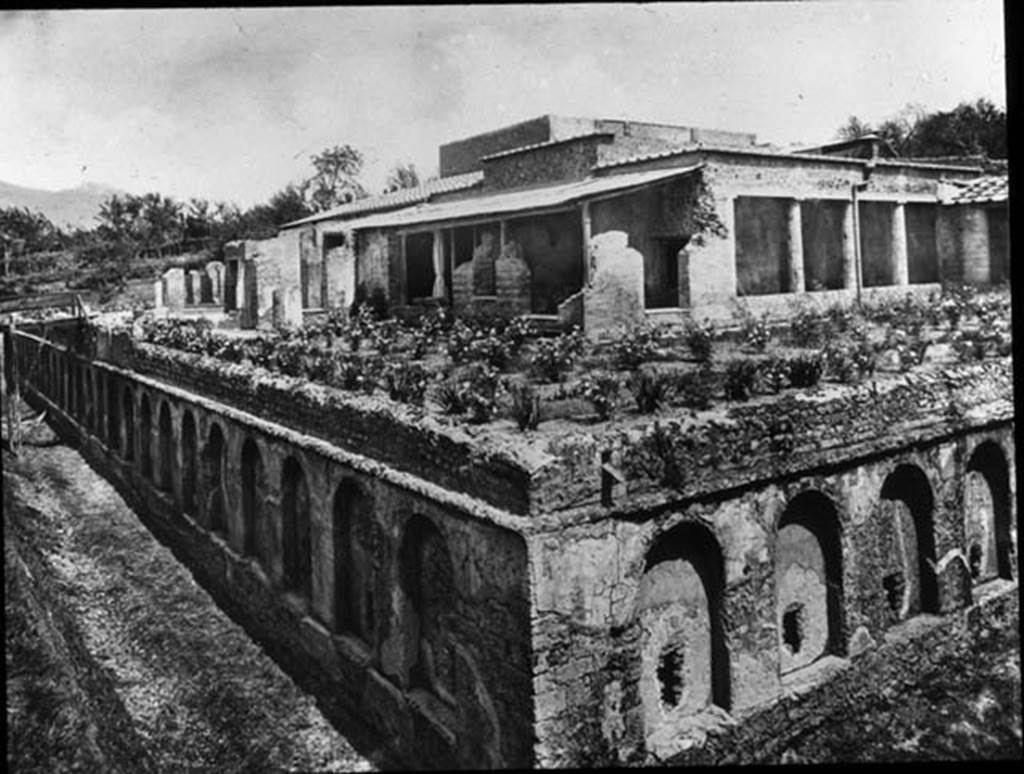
column 215, row 271
column 849, row 248
column 158, row 294
column 974, row 249
column 900, row 267
column 440, row 290
column 613, row 300
column 194, row 294
column 796, row 249
column 174, row 289
column 585, row 224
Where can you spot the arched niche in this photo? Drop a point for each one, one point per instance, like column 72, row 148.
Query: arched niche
column 295, row 519
column 808, row 582
column 987, row 514
column 908, row 579
column 684, row 659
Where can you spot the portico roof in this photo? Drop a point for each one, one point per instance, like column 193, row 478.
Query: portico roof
column 509, row 203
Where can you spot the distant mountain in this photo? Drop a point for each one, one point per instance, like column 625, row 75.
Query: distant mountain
column 72, row 208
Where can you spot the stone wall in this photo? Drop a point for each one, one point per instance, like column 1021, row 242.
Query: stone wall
column 436, row 691
column 562, row 162
column 605, row 643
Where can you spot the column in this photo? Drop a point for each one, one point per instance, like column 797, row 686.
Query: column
column 440, row 290
column 900, row 268
column 796, row 249
column 585, row 217
column 849, row 249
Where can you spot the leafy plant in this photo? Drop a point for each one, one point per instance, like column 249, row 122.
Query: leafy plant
column 694, row 389
column 774, row 373
column 806, row 328
column 650, row 389
column 553, row 358
column 805, row 370
column 601, row 390
column 636, row 346
column 740, row 378
column 699, row 337
column 406, row 382
column 755, row 331
column 525, row 404
column 481, row 390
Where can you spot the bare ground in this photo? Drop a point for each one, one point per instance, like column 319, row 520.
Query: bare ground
column 116, row 659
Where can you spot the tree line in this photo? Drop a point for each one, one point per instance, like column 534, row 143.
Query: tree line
column 132, row 225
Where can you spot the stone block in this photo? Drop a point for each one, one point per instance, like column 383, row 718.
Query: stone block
column 158, row 294
column 215, row 271
column 287, row 307
column 194, row 287
column 174, row 288
column 613, row 300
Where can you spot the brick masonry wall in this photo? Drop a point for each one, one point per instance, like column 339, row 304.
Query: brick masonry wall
column 566, row 161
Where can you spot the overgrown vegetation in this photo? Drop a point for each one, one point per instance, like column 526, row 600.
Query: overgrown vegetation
column 426, row 361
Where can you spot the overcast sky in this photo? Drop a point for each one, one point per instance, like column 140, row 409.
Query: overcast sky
column 229, row 104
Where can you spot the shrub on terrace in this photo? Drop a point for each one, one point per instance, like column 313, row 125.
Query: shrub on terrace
column 700, row 340
column 406, row 382
column 806, row 327
column 651, row 389
column 740, row 379
column 601, row 390
column 774, row 373
column 553, row 358
column 525, row 409
column 636, row 346
column 694, row 389
column 805, row 370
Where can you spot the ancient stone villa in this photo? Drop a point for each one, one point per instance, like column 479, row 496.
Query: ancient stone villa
column 707, row 217
column 601, row 595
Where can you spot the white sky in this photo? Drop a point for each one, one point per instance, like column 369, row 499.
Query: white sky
column 229, row 104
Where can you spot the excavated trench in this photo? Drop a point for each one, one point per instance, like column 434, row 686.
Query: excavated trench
column 117, row 660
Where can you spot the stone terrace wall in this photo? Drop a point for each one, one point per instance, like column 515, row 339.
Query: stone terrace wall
column 383, row 430
column 671, row 460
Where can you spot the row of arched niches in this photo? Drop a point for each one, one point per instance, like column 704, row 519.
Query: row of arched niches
column 685, row 663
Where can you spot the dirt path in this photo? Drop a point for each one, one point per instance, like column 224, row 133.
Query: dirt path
column 200, row 694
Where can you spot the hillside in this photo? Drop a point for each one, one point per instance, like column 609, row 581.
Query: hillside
column 73, row 207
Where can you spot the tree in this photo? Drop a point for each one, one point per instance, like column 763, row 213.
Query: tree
column 336, row 179
column 33, row 230
column 402, row 175
column 969, row 129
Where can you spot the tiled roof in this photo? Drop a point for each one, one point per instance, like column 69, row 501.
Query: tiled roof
column 401, row 198
column 525, row 200
column 774, row 153
column 544, row 144
column 991, row 188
